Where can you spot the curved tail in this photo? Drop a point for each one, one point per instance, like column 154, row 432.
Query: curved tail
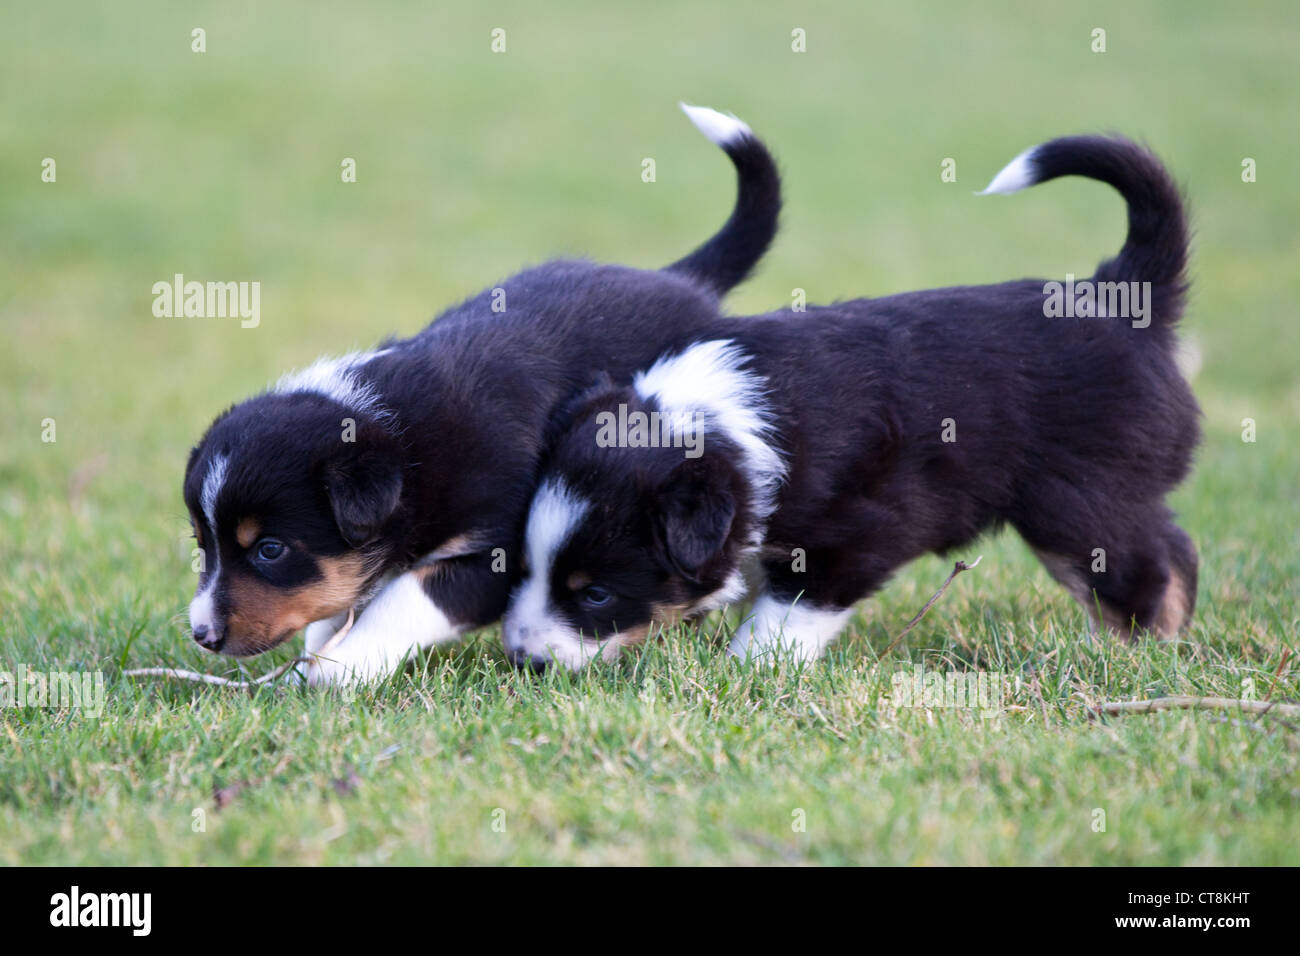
column 1155, row 250
column 731, row 255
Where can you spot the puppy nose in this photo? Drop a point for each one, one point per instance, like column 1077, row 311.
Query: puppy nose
column 206, row 637
column 525, row 661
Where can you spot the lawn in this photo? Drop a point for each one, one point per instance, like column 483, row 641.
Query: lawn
column 470, row 164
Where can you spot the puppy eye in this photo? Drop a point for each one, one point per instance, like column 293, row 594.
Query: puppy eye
column 595, row 596
column 269, row 549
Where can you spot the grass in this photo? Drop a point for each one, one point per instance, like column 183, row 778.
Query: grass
column 226, row 165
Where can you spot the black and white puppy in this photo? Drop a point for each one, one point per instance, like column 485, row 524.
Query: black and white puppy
column 831, row 448
column 399, row 479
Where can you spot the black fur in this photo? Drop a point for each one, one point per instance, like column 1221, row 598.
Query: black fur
column 1071, row 430
column 455, row 450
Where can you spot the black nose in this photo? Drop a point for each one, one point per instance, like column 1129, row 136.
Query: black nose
column 525, row 661
column 206, row 637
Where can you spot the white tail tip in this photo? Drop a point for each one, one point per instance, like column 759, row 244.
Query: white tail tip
column 722, row 129
column 1016, row 175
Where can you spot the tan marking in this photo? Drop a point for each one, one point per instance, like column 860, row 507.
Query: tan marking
column 613, row 646
column 577, row 581
column 1175, row 606
column 668, row 615
column 247, row 531
column 262, row 615
column 456, row 547
column 661, row 616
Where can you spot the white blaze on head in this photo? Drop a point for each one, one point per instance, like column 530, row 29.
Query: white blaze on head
column 201, row 610
column 1016, row 175
column 531, row 625
column 212, row 483
column 722, row 129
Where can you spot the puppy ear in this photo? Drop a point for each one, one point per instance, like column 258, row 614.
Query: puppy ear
column 364, row 484
column 694, row 509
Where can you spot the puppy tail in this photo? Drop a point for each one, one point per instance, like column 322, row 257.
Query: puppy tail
column 731, row 255
column 1155, row 250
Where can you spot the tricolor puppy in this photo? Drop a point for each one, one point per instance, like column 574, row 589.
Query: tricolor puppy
column 399, row 479
column 819, row 453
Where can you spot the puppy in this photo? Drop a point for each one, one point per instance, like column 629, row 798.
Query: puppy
column 398, row 480
column 828, row 450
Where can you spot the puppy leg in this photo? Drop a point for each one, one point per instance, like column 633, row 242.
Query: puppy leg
column 796, row 627
column 415, row 611
column 806, row 604
column 1141, row 573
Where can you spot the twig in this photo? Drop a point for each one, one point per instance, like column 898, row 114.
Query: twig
column 213, row 678
column 280, row 671
column 1196, row 703
column 341, row 633
column 957, row 569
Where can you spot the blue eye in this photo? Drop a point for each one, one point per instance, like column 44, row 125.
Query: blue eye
column 596, row 596
column 269, row 549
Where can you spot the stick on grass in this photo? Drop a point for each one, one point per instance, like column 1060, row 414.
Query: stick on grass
column 1196, row 703
column 219, row 681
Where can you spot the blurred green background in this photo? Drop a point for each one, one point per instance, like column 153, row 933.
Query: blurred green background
column 225, row 166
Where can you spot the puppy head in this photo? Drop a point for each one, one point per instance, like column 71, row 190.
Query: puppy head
column 289, row 506
column 622, row 535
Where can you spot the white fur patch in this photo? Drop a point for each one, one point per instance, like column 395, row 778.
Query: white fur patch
column 722, row 129
column 798, row 629
column 212, row 484
column 201, row 608
column 548, row 639
column 400, row 621
column 336, row 378
column 531, row 625
column 710, row 378
column 1016, row 175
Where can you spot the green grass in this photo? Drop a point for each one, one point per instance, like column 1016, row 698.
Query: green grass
column 226, row 165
